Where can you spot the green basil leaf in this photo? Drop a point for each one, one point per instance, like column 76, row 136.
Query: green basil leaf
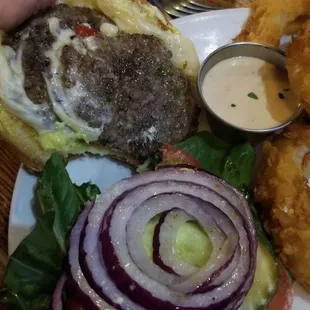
column 57, row 193
column 208, row 150
column 88, row 191
column 238, row 165
column 11, row 299
column 36, row 265
column 232, row 163
column 41, row 302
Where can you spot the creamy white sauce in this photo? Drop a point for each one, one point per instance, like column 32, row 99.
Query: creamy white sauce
column 62, row 38
column 63, row 100
column 249, row 92
column 91, row 44
column 109, row 29
column 12, row 77
column 79, row 46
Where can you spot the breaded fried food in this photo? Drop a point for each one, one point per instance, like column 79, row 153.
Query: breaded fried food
column 269, row 20
column 298, row 65
column 284, row 198
column 294, row 27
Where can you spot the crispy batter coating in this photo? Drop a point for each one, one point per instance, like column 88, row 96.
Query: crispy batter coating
column 293, row 27
column 270, row 18
column 282, row 189
column 298, row 65
column 284, row 197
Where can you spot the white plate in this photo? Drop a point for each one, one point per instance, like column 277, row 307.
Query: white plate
column 208, row 31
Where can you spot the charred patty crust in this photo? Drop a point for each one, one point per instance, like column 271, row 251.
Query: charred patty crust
column 127, row 84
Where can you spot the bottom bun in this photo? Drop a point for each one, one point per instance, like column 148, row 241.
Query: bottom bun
column 24, row 143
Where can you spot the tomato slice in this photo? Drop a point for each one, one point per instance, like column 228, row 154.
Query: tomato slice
column 171, row 155
column 283, row 297
column 85, row 31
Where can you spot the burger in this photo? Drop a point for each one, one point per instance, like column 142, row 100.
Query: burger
column 102, row 77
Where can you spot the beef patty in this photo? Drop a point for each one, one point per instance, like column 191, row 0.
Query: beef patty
column 127, row 84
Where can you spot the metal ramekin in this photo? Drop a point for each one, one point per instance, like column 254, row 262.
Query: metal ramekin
column 223, row 129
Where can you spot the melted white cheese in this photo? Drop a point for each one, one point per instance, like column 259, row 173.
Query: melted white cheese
column 79, row 46
column 109, row 29
column 63, row 100
column 136, row 17
column 129, row 16
column 14, row 96
column 91, row 44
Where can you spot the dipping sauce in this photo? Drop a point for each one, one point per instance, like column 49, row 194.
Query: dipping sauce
column 249, row 93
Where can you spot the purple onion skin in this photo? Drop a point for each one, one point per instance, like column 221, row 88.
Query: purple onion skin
column 57, row 303
column 88, row 275
column 71, row 286
column 124, row 282
column 84, row 300
column 203, row 288
column 156, row 245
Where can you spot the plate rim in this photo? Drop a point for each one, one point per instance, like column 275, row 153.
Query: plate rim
column 17, row 184
column 210, row 13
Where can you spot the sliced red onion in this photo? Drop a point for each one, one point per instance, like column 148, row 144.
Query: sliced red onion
column 57, row 296
column 135, row 229
column 156, row 245
column 78, row 282
column 116, row 274
column 164, row 243
column 118, row 253
column 143, row 215
column 160, row 203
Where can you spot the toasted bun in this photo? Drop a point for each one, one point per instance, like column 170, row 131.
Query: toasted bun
column 25, row 141
column 22, row 139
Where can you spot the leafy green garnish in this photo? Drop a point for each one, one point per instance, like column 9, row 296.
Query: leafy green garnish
column 208, row 150
column 261, row 234
column 87, row 191
column 252, row 95
column 238, row 165
column 150, row 163
column 36, row 265
column 233, row 163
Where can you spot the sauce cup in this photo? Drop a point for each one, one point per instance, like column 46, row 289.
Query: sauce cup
column 223, row 129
